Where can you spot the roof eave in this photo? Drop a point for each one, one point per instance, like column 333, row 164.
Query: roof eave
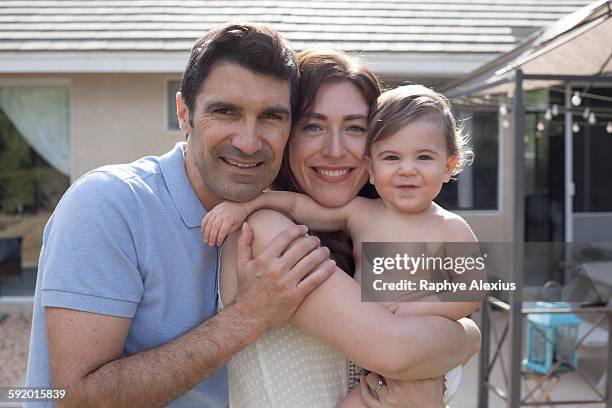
column 389, row 64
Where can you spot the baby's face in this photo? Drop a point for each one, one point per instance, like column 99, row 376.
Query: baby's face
column 409, row 167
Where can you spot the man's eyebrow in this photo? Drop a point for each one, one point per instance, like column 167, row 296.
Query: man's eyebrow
column 220, row 104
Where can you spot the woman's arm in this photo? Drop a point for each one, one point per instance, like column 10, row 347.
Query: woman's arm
column 401, row 347
column 228, row 216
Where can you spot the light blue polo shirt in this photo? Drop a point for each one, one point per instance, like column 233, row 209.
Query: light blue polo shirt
column 125, row 241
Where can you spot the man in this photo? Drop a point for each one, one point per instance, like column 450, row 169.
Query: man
column 125, row 301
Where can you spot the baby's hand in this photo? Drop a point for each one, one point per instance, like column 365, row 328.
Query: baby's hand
column 222, row 220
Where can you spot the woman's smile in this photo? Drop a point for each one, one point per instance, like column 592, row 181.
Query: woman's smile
column 333, row 174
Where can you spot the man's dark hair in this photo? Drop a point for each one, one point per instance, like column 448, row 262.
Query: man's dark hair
column 254, row 47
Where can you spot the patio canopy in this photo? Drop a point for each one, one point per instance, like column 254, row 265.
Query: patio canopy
column 577, row 45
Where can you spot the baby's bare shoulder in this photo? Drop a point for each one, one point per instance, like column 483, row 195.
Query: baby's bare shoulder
column 457, row 229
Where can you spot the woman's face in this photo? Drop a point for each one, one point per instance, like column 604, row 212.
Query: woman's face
column 327, row 145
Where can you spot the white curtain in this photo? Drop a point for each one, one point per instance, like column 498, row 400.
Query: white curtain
column 41, row 114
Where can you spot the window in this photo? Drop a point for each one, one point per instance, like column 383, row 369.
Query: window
column 592, row 151
column 172, row 87
column 34, row 163
column 476, row 188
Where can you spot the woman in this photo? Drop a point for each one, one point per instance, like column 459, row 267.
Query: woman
column 303, row 363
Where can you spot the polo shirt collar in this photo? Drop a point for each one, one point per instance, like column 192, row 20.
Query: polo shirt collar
column 172, row 166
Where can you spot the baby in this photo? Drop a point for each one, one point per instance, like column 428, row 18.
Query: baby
column 414, row 146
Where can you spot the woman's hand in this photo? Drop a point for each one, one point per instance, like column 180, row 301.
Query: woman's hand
column 406, row 394
column 222, row 220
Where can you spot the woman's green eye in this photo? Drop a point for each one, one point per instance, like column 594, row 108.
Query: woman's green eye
column 312, row 127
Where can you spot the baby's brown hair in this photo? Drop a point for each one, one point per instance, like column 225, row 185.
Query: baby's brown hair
column 398, row 107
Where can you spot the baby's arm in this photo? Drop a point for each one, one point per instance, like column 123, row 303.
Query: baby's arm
column 228, row 216
column 457, row 230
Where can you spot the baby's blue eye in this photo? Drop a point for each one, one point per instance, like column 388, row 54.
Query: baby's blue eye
column 391, row 157
column 424, row 157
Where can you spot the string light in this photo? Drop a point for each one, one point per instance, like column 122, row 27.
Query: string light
column 609, row 127
column 506, row 123
column 555, row 109
column 576, row 99
column 540, row 126
column 592, row 119
column 586, row 112
column 503, row 109
column 548, row 115
column 575, row 128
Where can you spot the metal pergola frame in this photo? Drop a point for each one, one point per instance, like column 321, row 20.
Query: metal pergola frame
column 515, row 310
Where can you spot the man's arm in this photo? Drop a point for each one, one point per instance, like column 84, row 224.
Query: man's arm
column 85, row 349
column 85, row 353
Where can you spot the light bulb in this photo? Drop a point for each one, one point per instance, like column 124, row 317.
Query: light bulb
column 540, row 126
column 576, row 99
column 555, row 110
column 503, row 109
column 592, row 118
column 609, row 127
column 506, row 123
column 548, row 115
column 575, row 128
column 586, row 113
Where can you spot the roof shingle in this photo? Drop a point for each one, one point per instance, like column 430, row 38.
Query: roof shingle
column 450, row 26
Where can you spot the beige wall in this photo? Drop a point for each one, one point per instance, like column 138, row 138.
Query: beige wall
column 117, row 119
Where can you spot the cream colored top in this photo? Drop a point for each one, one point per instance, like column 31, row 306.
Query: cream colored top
column 287, row 367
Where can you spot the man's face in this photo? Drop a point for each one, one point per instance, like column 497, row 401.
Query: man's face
column 241, row 122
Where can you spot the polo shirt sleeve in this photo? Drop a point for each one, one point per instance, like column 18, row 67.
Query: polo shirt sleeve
column 91, row 247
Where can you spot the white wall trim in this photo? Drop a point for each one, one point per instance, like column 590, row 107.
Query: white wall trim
column 10, row 300
column 429, row 65
column 38, row 81
column 386, row 64
column 93, row 62
column 478, row 213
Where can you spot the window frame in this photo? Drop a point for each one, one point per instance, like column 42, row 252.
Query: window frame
column 468, row 112
column 167, row 82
